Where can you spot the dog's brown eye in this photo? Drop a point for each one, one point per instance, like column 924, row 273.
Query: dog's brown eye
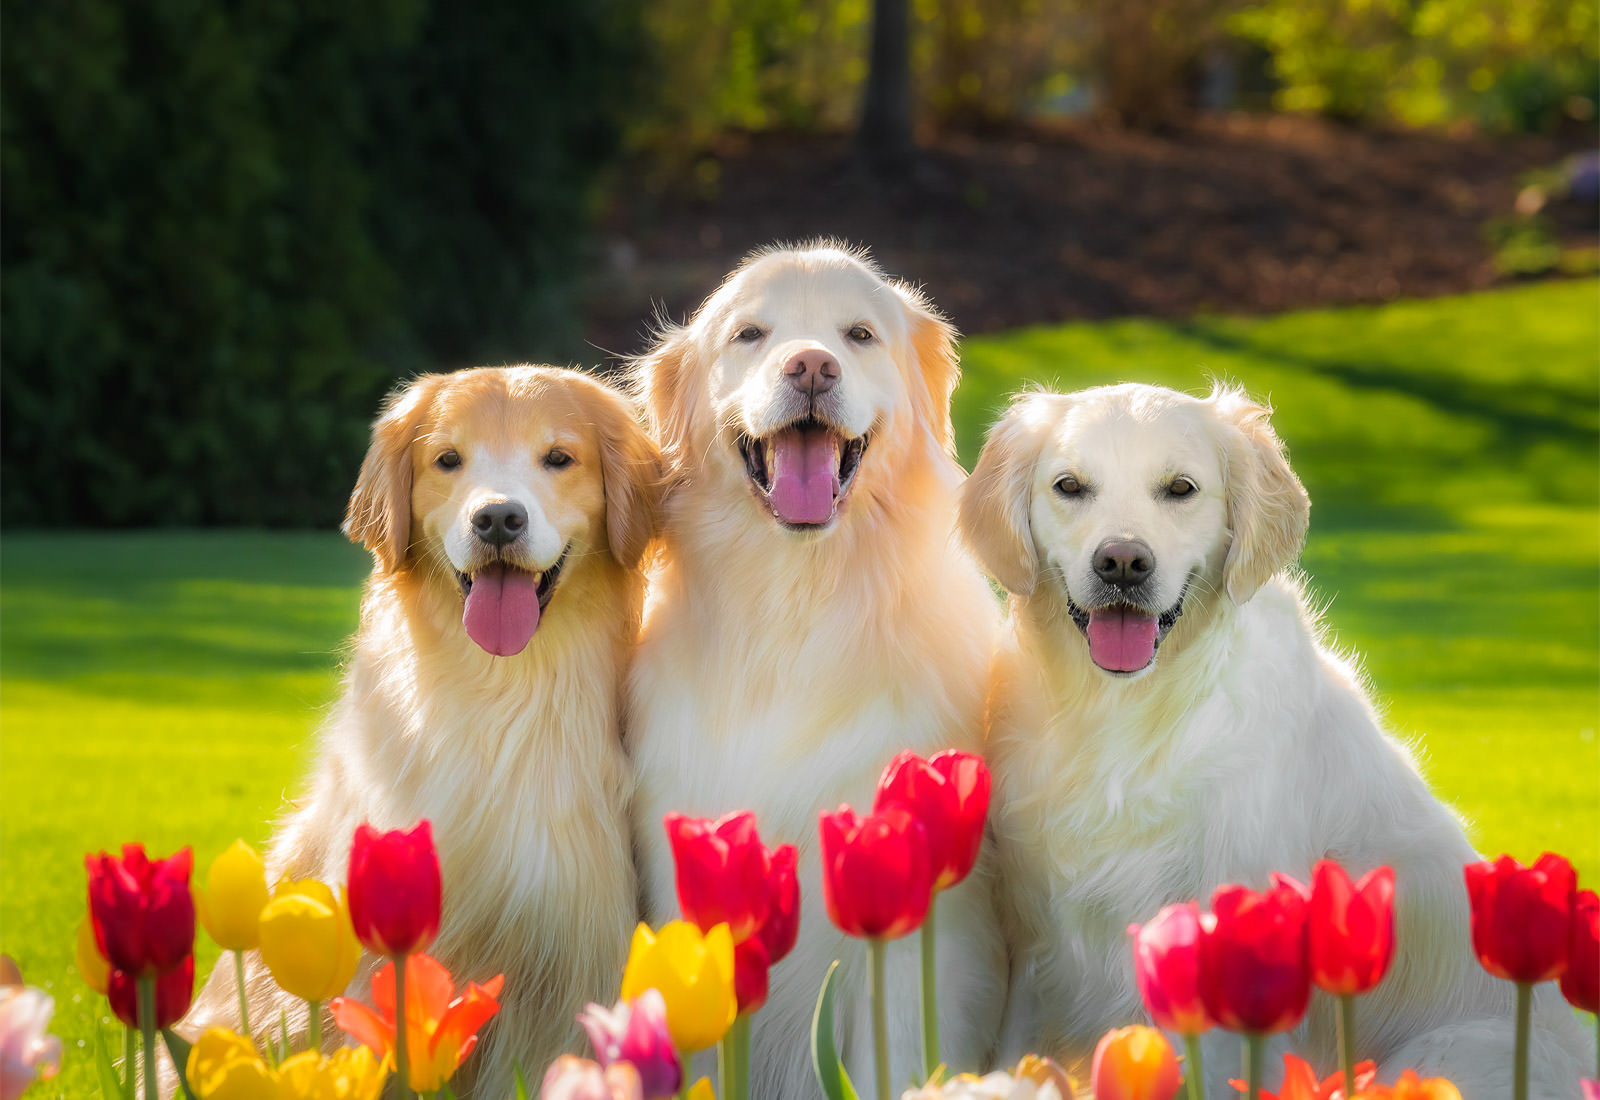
column 859, row 333
column 748, row 335
column 1180, row 487
column 1068, row 486
column 448, row 461
column 557, row 458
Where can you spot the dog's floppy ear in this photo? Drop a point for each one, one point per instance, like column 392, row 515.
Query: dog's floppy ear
column 933, row 341
column 1268, row 509
column 379, row 514
column 630, row 469
column 667, row 394
column 996, row 499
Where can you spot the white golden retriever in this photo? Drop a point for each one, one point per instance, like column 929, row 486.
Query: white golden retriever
column 1166, row 717
column 814, row 614
column 507, row 511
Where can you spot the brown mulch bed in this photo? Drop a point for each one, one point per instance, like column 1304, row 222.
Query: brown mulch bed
column 1236, row 214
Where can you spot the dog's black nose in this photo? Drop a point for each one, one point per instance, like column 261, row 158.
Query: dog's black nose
column 500, row 522
column 813, row 371
column 1124, row 562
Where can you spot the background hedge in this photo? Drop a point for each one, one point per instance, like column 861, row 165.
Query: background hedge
column 229, row 228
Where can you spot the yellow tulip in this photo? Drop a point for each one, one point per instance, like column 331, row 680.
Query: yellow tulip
column 91, row 964
column 224, row 1066
column 307, row 940
column 702, row 1090
column 694, row 975
column 351, row 1073
column 234, row 894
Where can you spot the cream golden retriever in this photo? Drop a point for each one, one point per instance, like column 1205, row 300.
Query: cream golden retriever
column 507, row 511
column 813, row 615
column 1166, row 717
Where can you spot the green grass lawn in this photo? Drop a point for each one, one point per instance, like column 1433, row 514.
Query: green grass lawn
column 164, row 687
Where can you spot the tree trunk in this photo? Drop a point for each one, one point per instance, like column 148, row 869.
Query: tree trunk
column 884, row 140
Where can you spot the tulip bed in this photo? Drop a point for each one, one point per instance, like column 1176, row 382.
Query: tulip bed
column 163, row 687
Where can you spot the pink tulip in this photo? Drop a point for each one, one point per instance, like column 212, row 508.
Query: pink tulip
column 1166, row 960
column 572, row 1078
column 636, row 1033
column 27, row 1054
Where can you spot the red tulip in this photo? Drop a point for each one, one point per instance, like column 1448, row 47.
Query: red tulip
column 394, row 889
column 722, row 872
column 949, row 794
column 782, row 927
column 1522, row 916
column 875, row 876
column 1352, row 928
column 1255, row 970
column 174, row 991
column 142, row 911
column 750, row 966
column 1581, row 983
column 1166, row 962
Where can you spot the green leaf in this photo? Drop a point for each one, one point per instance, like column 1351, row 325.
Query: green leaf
column 178, row 1049
column 110, row 1082
column 522, row 1080
column 831, row 1076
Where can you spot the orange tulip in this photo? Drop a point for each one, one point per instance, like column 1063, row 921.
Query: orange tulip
column 1412, row 1087
column 1134, row 1063
column 440, row 1031
column 1300, row 1081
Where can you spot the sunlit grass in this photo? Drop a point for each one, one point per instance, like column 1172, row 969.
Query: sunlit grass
column 166, row 687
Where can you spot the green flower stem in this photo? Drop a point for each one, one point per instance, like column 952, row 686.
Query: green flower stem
column 1519, row 1071
column 244, row 1002
column 1255, row 1054
column 733, row 1059
column 930, row 992
column 1597, row 1047
column 1347, row 1041
column 147, row 1026
column 880, row 1016
column 130, row 1064
column 683, row 1087
column 1191, row 1070
column 743, row 1024
column 402, row 1067
column 314, row 1033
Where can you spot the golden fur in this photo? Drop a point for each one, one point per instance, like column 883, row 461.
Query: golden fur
column 517, row 760
column 779, row 670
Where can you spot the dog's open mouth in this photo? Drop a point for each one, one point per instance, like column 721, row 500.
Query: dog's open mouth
column 1123, row 637
column 503, row 604
column 803, row 472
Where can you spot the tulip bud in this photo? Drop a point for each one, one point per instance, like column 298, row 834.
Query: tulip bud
column 1134, row 1063
column 1581, row 982
column 570, row 1078
column 875, row 876
column 307, row 941
column 91, row 964
column 1351, row 928
column 693, row 973
column 1166, row 963
column 224, row 1065
column 637, row 1034
column 1412, row 1087
column 351, row 1073
column 781, row 929
column 1522, row 916
column 721, row 872
column 949, row 795
column 750, row 967
column 142, row 910
column 174, row 990
column 1255, row 967
column 235, row 892
column 395, row 890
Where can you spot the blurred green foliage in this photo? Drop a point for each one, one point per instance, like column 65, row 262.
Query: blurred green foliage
column 1507, row 64
column 229, row 228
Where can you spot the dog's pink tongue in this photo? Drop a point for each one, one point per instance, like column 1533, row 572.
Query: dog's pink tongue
column 1122, row 639
column 502, row 610
column 805, row 475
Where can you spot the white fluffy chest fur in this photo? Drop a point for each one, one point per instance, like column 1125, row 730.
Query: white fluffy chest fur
column 783, row 682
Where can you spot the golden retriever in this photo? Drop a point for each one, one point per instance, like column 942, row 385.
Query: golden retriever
column 507, row 511
column 1166, row 717
column 813, row 615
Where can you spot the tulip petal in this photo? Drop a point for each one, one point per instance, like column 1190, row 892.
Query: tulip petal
column 364, row 1025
